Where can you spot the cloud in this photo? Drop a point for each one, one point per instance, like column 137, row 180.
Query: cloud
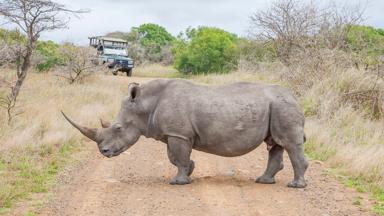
column 174, row 15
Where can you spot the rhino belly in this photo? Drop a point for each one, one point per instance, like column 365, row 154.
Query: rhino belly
column 231, row 143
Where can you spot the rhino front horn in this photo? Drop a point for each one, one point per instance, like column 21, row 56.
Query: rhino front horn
column 91, row 133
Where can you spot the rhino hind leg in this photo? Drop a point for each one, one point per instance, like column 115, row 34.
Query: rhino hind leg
column 179, row 152
column 275, row 163
column 287, row 129
column 300, row 165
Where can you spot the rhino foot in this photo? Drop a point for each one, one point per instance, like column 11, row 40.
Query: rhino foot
column 297, row 184
column 265, row 180
column 180, row 180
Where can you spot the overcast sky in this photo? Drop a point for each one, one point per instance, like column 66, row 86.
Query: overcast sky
column 175, row 15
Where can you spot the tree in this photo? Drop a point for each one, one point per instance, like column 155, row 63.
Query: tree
column 308, row 37
column 295, row 25
column 206, row 50
column 153, row 37
column 31, row 17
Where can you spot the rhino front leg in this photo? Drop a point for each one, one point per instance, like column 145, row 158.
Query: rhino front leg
column 179, row 152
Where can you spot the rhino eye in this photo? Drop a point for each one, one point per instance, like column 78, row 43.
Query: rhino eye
column 117, row 126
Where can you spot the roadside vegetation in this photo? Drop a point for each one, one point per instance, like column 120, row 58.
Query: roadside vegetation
column 38, row 145
column 326, row 56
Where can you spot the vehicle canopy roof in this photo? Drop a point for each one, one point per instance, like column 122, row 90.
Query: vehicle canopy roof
column 107, row 41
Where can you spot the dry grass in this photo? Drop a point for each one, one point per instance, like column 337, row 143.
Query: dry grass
column 352, row 128
column 45, row 95
column 156, row 70
column 39, row 142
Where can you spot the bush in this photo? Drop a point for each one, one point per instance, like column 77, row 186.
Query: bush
column 11, row 45
column 48, row 52
column 76, row 63
column 366, row 44
column 257, row 51
column 206, row 50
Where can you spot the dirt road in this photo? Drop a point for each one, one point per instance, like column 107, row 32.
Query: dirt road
column 136, row 183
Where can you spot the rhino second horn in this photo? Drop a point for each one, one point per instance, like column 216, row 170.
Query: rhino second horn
column 104, row 124
column 91, row 133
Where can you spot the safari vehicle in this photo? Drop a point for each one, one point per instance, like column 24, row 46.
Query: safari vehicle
column 113, row 53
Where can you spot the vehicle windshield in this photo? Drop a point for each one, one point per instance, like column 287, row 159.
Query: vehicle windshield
column 114, row 51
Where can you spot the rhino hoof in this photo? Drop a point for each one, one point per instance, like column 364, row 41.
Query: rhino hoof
column 265, row 180
column 297, row 184
column 180, row 181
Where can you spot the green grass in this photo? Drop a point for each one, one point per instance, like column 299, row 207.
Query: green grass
column 357, row 201
column 34, row 172
column 361, row 185
column 30, row 214
column 317, row 151
column 320, row 152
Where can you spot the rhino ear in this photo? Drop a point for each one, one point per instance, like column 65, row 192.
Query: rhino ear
column 104, row 124
column 133, row 91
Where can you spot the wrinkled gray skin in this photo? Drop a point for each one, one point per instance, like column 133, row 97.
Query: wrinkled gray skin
column 229, row 121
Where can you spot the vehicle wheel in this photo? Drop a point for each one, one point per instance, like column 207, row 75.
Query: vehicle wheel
column 129, row 72
column 115, row 72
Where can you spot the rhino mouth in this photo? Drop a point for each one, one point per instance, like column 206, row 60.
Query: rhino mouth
column 115, row 153
column 112, row 154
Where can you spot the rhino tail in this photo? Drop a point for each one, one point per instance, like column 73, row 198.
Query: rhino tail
column 304, row 138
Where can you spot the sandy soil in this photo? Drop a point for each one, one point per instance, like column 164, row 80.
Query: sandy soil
column 136, row 183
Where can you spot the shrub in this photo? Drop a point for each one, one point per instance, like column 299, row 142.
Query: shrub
column 11, row 45
column 254, row 53
column 206, row 50
column 48, row 51
column 76, row 63
column 257, row 51
column 366, row 44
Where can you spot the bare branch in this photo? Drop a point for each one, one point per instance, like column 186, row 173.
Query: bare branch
column 295, row 25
